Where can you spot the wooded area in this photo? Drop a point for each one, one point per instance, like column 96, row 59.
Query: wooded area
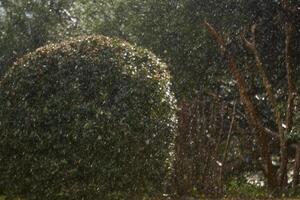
column 86, row 112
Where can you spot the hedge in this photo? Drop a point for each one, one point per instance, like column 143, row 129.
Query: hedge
column 88, row 118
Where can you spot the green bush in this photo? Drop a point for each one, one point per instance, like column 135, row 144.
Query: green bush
column 89, row 118
column 241, row 189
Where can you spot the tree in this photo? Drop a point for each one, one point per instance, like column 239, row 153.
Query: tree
column 26, row 25
column 277, row 178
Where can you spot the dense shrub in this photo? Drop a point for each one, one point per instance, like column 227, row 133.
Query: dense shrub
column 89, row 118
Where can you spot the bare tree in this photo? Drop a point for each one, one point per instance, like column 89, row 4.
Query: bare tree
column 275, row 178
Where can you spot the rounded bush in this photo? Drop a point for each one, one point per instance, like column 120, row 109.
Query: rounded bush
column 88, row 118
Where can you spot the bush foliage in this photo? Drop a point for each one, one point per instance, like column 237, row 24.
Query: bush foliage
column 89, row 118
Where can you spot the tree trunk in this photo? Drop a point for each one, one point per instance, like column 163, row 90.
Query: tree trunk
column 296, row 166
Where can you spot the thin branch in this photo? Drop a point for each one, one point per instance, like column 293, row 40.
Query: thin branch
column 289, row 30
column 250, row 43
column 230, row 133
